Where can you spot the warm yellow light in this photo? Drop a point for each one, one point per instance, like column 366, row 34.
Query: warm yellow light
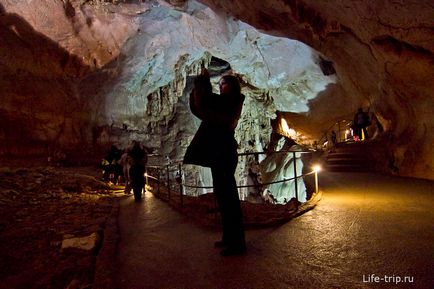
column 316, row 168
column 289, row 131
column 284, row 124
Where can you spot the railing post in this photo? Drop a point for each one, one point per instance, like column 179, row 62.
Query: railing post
column 339, row 131
column 168, row 182
column 146, row 178
column 295, row 174
column 181, row 188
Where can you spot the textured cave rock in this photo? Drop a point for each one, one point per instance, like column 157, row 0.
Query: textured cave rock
column 136, row 92
column 383, row 53
column 80, row 75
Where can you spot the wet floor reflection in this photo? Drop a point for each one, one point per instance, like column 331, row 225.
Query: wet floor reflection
column 364, row 225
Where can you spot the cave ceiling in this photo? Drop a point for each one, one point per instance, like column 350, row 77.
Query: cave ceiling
column 70, row 67
column 145, row 45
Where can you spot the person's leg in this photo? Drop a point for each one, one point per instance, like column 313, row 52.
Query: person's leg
column 357, row 133
column 219, row 192
column 236, row 228
column 230, row 209
column 126, row 169
column 365, row 133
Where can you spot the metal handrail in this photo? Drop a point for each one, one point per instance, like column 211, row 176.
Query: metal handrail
column 251, row 186
column 180, row 161
column 272, row 152
column 182, row 185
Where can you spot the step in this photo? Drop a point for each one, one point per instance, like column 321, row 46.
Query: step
column 355, row 158
column 357, row 150
column 350, row 164
column 358, row 146
column 350, row 157
column 347, row 168
column 348, row 161
column 347, row 156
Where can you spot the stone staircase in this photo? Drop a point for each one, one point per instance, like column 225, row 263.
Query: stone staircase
column 349, row 157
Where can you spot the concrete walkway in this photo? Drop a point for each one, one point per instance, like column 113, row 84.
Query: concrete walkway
column 368, row 231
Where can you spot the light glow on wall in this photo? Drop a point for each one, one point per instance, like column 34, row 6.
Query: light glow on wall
column 287, row 130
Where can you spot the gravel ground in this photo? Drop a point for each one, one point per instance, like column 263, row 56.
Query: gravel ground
column 40, row 207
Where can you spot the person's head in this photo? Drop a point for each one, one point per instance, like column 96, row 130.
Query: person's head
column 360, row 109
column 229, row 84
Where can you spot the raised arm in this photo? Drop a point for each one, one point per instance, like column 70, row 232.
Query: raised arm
column 216, row 109
column 201, row 95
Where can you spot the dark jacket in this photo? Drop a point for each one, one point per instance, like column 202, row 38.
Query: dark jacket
column 361, row 119
column 214, row 143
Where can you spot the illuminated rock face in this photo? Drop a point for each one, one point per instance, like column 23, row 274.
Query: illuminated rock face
column 89, row 73
column 383, row 53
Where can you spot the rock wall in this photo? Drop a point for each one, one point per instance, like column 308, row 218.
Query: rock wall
column 80, row 75
column 383, row 54
column 49, row 54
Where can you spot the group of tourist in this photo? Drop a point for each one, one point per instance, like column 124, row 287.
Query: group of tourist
column 117, row 163
column 359, row 125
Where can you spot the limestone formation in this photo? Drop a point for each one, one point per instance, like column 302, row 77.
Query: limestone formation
column 77, row 76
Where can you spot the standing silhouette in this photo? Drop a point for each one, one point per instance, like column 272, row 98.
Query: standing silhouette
column 214, row 146
column 360, row 122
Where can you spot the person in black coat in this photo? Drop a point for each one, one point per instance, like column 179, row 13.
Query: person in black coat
column 214, row 146
column 360, row 122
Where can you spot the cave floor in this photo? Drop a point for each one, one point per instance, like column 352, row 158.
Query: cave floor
column 365, row 224
column 40, row 207
column 368, row 231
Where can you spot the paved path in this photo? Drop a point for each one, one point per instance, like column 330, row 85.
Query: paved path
column 365, row 224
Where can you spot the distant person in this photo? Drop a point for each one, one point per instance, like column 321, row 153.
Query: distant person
column 333, row 137
column 125, row 170
column 360, row 122
column 137, row 153
column 348, row 134
column 137, row 159
column 111, row 166
column 214, row 146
